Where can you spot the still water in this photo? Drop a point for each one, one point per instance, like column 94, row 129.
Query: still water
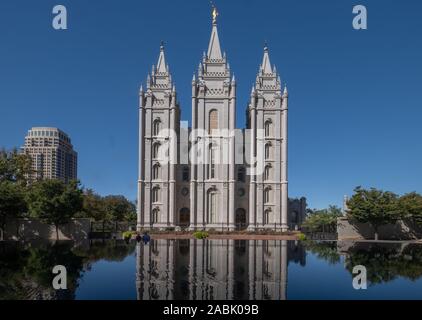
column 210, row 269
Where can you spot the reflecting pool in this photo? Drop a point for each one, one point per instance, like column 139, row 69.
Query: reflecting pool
column 210, row 269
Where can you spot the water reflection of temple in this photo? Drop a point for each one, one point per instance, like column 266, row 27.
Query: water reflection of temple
column 215, row 269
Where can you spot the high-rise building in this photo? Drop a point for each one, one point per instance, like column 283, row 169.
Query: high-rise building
column 52, row 154
column 215, row 189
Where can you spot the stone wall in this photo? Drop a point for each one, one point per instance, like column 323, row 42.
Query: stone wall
column 31, row 229
column 401, row 230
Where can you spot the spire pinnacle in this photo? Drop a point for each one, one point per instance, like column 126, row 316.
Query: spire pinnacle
column 266, row 64
column 214, row 14
column 214, row 49
column 161, row 64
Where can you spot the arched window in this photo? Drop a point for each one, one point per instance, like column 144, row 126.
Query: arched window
column 212, row 206
column 156, row 194
column 211, row 162
column 267, row 173
column 267, row 216
column 267, row 151
column 155, row 150
column 155, row 215
column 156, row 171
column 267, row 195
column 156, row 127
column 268, row 128
column 185, row 173
column 213, row 121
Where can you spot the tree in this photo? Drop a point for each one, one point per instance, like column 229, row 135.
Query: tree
column 322, row 220
column 15, row 166
column 12, row 202
column 410, row 205
column 93, row 206
column 118, row 208
column 374, row 206
column 54, row 202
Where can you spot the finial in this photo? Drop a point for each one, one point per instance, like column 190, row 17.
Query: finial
column 285, row 93
column 193, row 78
column 233, row 78
column 214, row 13
column 162, row 45
column 265, row 46
column 141, row 89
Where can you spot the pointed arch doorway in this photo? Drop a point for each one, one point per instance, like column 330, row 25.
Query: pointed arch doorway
column 184, row 217
column 240, row 219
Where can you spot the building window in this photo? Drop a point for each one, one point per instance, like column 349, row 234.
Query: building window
column 212, row 206
column 267, row 173
column 267, row 151
column 156, row 194
column 241, row 174
column 267, row 216
column 267, row 195
column 156, row 171
column 268, row 128
column 156, row 127
column 213, row 121
column 155, row 215
column 155, row 150
column 185, row 174
column 211, row 162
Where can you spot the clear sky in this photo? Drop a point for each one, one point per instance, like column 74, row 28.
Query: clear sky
column 355, row 106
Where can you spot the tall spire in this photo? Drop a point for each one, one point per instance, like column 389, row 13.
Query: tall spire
column 266, row 64
column 161, row 64
column 214, row 49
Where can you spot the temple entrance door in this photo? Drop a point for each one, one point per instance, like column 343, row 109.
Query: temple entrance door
column 184, row 217
column 240, row 219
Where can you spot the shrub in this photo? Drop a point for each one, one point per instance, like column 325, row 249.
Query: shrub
column 127, row 235
column 200, row 234
column 301, row 237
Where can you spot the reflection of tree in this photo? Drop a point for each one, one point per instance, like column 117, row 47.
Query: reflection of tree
column 26, row 273
column 26, row 270
column 385, row 263
column 324, row 250
column 110, row 250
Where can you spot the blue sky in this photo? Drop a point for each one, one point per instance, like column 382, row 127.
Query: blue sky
column 355, row 96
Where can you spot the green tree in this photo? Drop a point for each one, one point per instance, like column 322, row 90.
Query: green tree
column 54, row 202
column 373, row 206
column 12, row 203
column 410, row 206
column 322, row 220
column 15, row 166
column 93, row 206
column 118, row 208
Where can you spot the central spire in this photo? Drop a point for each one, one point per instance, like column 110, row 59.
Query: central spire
column 214, row 49
column 161, row 64
column 266, row 64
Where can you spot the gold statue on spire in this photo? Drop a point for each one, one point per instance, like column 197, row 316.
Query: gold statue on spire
column 214, row 14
